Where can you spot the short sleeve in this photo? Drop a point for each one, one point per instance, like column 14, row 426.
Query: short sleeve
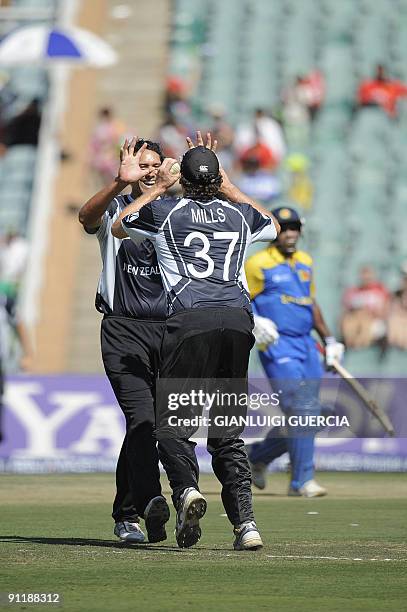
column 261, row 226
column 141, row 224
column 254, row 277
column 107, row 220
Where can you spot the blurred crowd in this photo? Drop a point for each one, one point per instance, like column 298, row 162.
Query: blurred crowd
column 265, row 157
column 265, row 154
column 373, row 315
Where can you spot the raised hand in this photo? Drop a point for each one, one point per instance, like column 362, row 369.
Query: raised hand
column 166, row 178
column 129, row 169
column 200, row 143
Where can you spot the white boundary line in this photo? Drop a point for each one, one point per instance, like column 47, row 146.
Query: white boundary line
column 328, row 558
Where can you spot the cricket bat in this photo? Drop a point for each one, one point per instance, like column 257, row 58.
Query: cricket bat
column 369, row 402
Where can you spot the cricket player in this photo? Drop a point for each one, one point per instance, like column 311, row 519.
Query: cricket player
column 201, row 241
column 281, row 285
column 131, row 297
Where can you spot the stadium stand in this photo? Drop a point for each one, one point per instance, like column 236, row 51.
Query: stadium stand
column 22, row 85
column 245, row 56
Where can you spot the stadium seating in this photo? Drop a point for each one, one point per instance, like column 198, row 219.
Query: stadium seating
column 17, row 166
column 358, row 157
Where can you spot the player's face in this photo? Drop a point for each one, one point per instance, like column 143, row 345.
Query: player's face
column 150, row 160
column 287, row 240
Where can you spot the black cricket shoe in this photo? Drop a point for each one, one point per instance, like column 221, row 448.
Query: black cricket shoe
column 192, row 507
column 156, row 515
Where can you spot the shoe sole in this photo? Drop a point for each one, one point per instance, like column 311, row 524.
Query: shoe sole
column 157, row 515
column 190, row 532
column 261, row 486
column 293, row 493
column 320, row 494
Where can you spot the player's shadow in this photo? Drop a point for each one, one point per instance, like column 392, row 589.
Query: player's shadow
column 86, row 542
column 102, row 543
column 269, row 494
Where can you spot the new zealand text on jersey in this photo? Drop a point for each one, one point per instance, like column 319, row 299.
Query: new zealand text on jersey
column 200, row 215
column 142, row 270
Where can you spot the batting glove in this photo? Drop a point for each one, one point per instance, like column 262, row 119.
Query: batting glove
column 265, row 332
column 334, row 351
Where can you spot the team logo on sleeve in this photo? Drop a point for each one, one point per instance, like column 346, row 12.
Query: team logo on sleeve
column 304, row 275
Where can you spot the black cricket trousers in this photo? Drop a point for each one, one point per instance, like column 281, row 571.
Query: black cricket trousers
column 130, row 352
column 206, row 344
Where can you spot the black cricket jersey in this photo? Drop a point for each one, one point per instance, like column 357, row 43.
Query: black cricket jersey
column 130, row 283
column 201, row 247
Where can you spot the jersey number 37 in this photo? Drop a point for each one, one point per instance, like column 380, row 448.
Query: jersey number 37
column 203, row 254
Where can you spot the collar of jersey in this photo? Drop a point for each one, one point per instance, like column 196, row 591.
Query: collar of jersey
column 128, row 198
column 279, row 257
column 204, row 203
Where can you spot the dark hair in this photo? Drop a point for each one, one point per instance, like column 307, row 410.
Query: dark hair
column 151, row 146
column 106, row 111
column 205, row 190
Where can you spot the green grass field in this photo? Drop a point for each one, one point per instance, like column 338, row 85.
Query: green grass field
column 345, row 552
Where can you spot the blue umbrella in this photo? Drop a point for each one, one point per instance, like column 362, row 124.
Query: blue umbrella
column 41, row 44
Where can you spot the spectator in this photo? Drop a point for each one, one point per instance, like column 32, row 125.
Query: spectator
column 300, row 188
column 296, row 117
column 381, row 91
column 224, row 134
column 171, row 137
column 258, row 182
column 262, row 153
column 263, row 130
column 301, row 102
column 176, row 101
column 365, row 311
column 397, row 322
column 105, row 144
column 13, row 258
column 23, row 129
column 311, row 91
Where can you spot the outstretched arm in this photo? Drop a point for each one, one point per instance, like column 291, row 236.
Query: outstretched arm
column 233, row 193
column 91, row 213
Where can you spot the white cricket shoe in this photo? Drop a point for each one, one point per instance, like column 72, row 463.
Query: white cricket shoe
column 259, row 473
column 309, row 489
column 247, row 537
column 129, row 532
column 192, row 507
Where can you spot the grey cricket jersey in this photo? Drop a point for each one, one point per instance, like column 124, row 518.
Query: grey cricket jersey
column 201, row 247
column 130, row 283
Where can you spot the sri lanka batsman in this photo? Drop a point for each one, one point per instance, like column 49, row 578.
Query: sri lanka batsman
column 281, row 285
